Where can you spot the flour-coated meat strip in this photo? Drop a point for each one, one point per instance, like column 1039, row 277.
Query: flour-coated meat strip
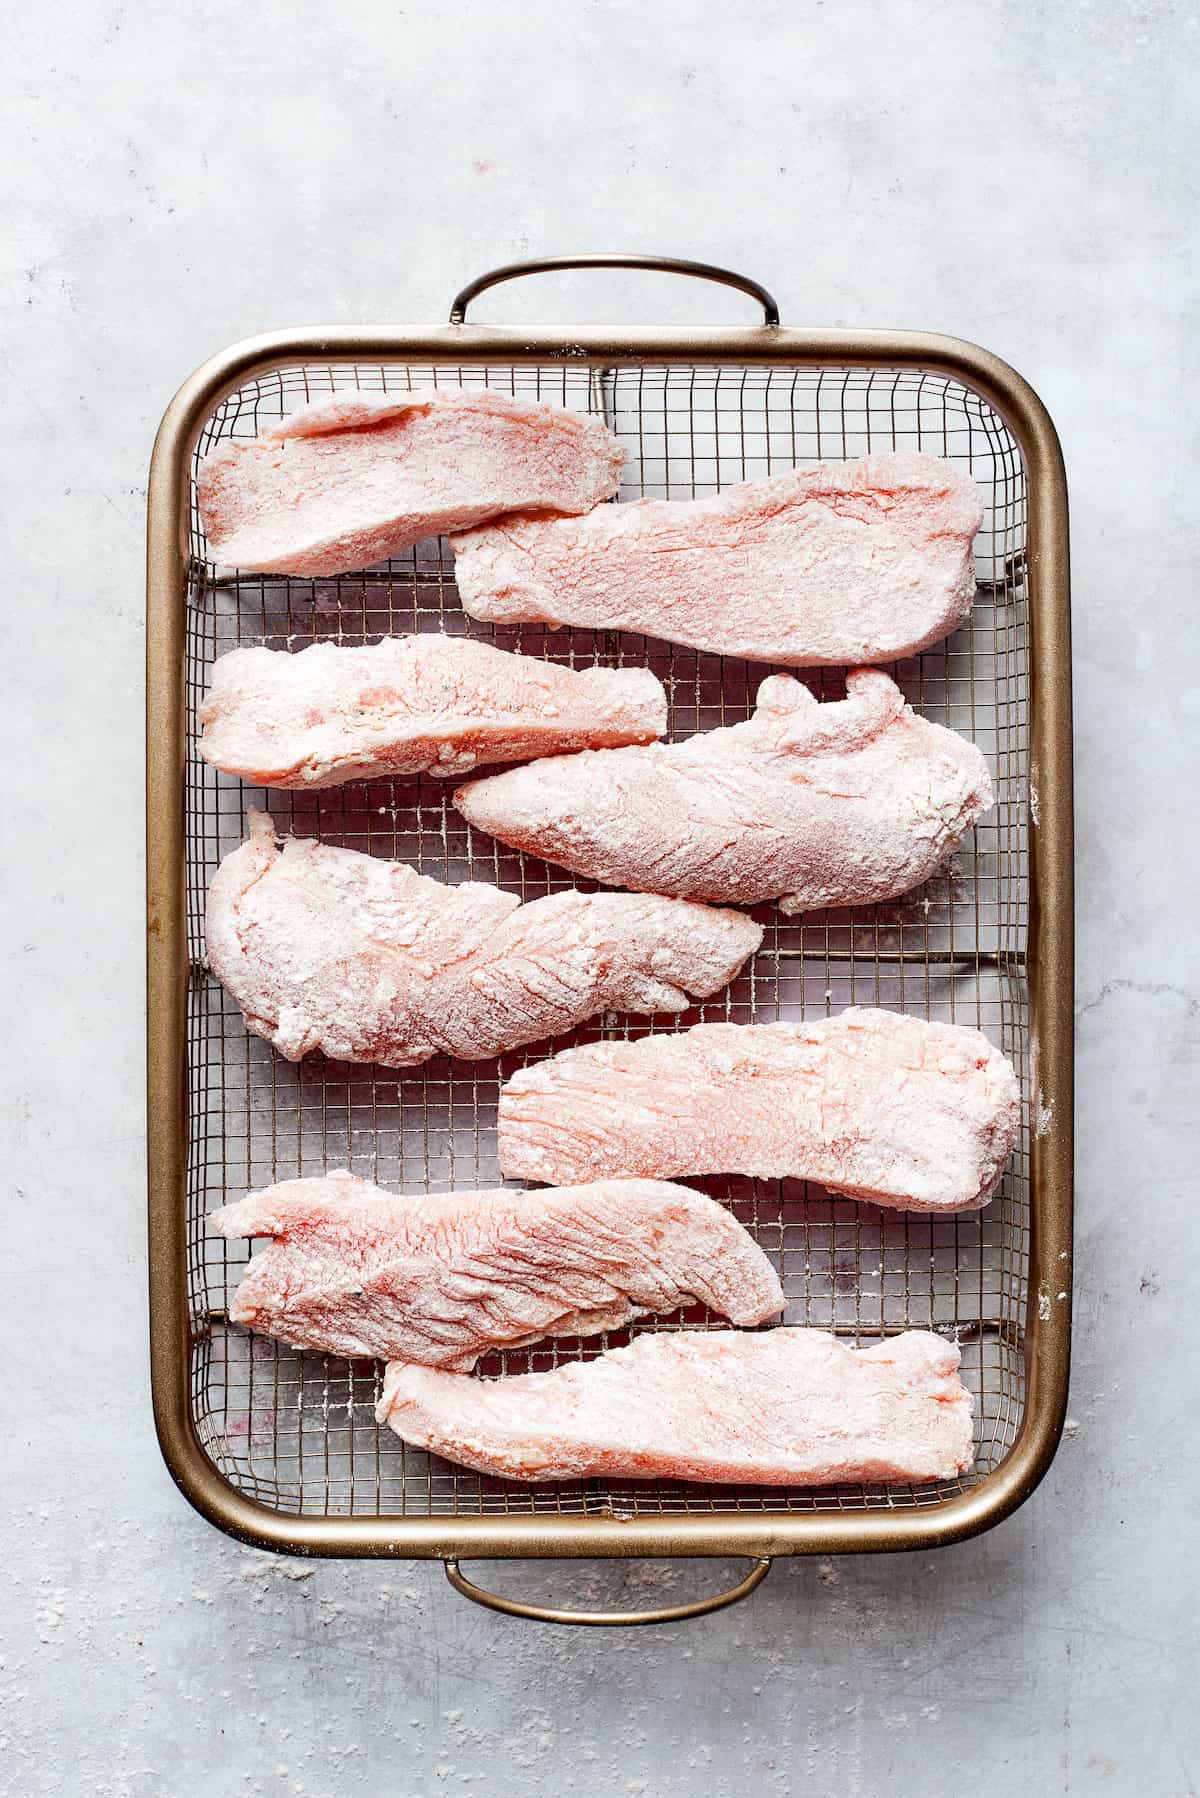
column 844, row 562
column 908, row 1114
column 333, row 713
column 355, row 478
column 442, row 1278
column 324, row 948
column 846, row 803
column 778, row 1407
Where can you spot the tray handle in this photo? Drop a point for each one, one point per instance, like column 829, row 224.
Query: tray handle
column 672, row 265
column 675, row 1613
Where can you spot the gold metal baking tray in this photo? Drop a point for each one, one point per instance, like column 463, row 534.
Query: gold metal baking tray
column 281, row 1448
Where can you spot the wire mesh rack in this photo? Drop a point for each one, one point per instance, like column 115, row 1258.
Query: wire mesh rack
column 296, row 1431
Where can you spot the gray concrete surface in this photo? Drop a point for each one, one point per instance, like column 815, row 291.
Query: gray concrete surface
column 1021, row 174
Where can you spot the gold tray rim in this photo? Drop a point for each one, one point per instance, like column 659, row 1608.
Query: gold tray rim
column 1050, row 957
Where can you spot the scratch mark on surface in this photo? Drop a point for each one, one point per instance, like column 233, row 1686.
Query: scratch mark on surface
column 1149, row 989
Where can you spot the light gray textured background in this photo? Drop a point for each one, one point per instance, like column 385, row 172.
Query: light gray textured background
column 173, row 178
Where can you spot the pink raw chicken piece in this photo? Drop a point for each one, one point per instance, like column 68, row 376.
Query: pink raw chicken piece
column 368, row 960
column 891, row 1109
column 409, row 704
column 443, row 1278
column 348, row 481
column 839, row 563
column 780, row 1407
column 839, row 804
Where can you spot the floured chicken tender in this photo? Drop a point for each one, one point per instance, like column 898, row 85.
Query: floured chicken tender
column 846, row 803
column 890, row 1109
column 442, row 1278
column 350, row 480
column 777, row 1407
column 411, row 705
column 840, row 563
column 367, row 960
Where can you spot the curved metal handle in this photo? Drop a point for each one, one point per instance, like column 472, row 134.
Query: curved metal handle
column 675, row 1613
column 672, row 265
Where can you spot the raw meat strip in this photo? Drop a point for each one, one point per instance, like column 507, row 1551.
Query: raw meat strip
column 845, row 562
column 443, row 1278
column 353, row 479
column 838, row 804
column 912, row 1115
column 368, row 960
column 444, row 704
column 777, row 1407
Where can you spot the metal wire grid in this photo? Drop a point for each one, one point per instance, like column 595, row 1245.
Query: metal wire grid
column 297, row 1431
